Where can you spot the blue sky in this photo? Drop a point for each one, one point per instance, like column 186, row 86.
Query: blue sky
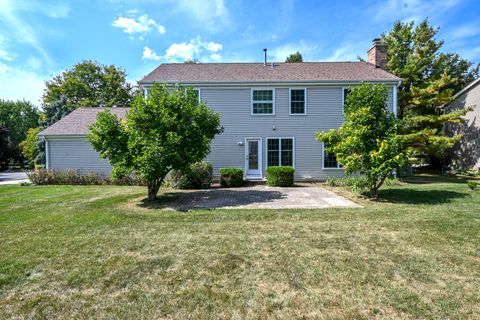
column 39, row 39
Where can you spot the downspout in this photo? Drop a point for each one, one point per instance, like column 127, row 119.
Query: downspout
column 395, row 99
column 47, row 158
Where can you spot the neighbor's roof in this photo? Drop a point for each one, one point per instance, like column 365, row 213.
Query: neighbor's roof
column 76, row 123
column 257, row 72
column 466, row 88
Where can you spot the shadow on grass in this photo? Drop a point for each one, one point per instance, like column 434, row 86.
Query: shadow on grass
column 211, row 199
column 433, row 179
column 412, row 196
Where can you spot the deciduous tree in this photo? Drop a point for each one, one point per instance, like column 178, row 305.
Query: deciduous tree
column 367, row 142
column 294, row 57
column 169, row 129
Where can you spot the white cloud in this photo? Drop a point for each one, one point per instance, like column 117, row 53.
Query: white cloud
column 21, row 84
column 5, row 56
column 282, row 52
column 194, row 49
column 464, row 31
column 142, row 25
column 346, row 52
column 18, row 29
column 214, row 47
column 3, row 67
column 149, row 54
column 213, row 15
column 411, row 10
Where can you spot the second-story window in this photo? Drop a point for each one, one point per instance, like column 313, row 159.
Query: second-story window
column 263, row 102
column 345, row 92
column 297, row 102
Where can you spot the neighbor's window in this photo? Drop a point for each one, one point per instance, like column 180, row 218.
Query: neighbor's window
column 262, row 101
column 329, row 160
column 280, row 152
column 297, row 101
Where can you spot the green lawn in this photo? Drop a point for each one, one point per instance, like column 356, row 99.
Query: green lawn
column 100, row 252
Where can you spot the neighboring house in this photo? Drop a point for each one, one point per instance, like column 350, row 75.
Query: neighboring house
column 466, row 154
column 270, row 113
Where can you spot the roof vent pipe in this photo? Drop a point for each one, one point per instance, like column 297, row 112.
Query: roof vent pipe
column 265, row 57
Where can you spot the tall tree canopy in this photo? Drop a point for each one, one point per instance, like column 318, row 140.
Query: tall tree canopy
column 90, row 84
column 430, row 79
column 294, row 57
column 16, row 117
column 168, row 130
column 367, row 142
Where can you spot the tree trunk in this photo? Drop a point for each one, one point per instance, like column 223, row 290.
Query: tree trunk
column 153, row 187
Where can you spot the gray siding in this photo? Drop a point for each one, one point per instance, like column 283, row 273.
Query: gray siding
column 466, row 154
column 75, row 153
column 324, row 112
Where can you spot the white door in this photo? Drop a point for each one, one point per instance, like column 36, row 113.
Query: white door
column 253, row 158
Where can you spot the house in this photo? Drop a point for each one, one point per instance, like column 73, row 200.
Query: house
column 270, row 113
column 466, row 153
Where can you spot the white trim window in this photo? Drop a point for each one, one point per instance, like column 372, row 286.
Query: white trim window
column 280, row 152
column 263, row 101
column 298, row 101
column 329, row 160
column 345, row 92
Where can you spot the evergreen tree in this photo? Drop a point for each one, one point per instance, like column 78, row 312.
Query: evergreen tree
column 430, row 79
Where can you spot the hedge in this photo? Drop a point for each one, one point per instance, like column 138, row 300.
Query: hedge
column 281, row 176
column 73, row 177
column 231, row 177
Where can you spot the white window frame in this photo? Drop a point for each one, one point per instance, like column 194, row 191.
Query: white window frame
column 279, row 150
column 199, row 93
column 343, row 97
column 262, row 101
column 290, row 102
column 323, row 161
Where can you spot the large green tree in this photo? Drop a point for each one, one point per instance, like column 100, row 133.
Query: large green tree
column 294, row 57
column 16, row 117
column 90, row 84
column 169, row 129
column 430, row 79
column 367, row 142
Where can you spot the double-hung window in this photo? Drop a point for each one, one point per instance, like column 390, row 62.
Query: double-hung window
column 345, row 92
column 280, row 152
column 298, row 102
column 263, row 102
column 329, row 160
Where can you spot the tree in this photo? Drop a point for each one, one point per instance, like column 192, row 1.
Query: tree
column 29, row 146
column 16, row 117
column 168, row 130
column 294, row 57
column 90, row 84
column 429, row 81
column 367, row 142
column 55, row 110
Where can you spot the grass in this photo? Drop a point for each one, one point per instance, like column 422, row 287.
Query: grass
column 98, row 251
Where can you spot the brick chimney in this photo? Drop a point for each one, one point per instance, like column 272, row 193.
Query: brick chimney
column 377, row 55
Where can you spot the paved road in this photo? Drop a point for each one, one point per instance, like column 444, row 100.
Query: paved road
column 262, row 197
column 12, row 177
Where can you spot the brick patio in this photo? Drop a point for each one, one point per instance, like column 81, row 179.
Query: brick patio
column 262, row 197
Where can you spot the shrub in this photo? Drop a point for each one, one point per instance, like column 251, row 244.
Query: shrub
column 198, row 176
column 472, row 184
column 231, row 177
column 280, row 176
column 71, row 177
column 357, row 184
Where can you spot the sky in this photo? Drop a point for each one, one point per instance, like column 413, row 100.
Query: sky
column 40, row 39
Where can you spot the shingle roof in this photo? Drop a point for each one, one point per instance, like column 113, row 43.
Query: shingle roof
column 257, row 72
column 76, row 123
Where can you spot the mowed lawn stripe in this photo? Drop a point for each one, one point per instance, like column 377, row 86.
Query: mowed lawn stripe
column 77, row 251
